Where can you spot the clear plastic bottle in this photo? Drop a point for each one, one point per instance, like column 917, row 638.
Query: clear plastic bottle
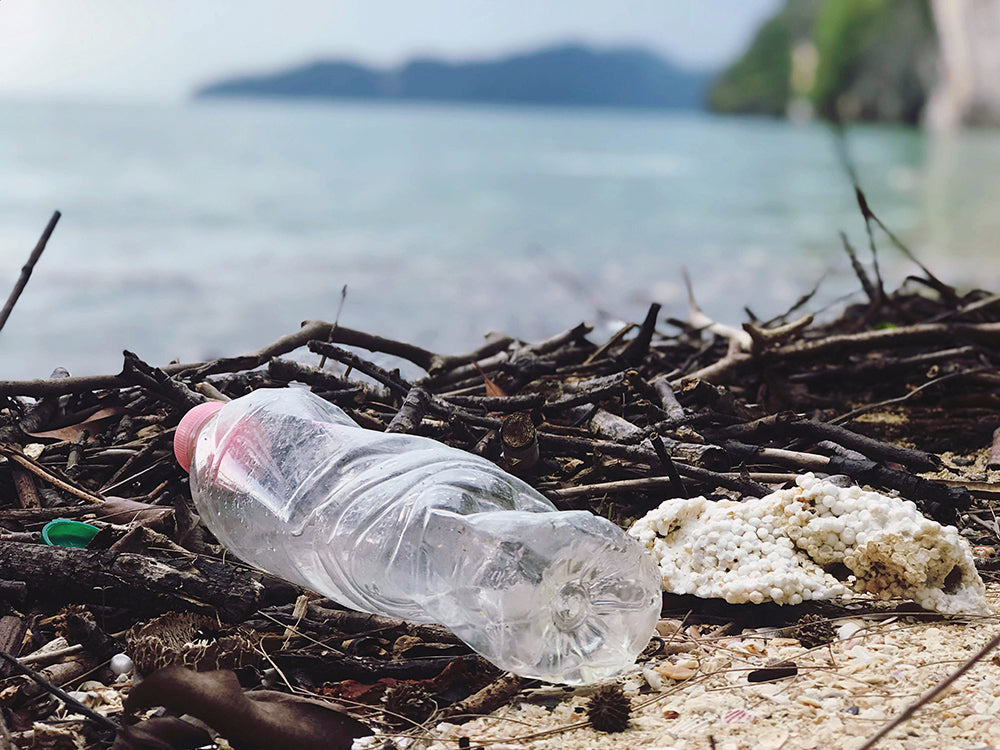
column 405, row 526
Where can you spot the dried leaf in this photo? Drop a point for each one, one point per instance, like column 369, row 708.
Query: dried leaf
column 161, row 733
column 456, row 673
column 492, row 389
column 120, row 510
column 93, row 424
column 257, row 720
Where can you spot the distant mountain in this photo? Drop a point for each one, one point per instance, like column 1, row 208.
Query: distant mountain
column 565, row 75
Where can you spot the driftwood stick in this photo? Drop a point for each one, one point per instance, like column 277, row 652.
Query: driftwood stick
column 24, row 485
column 638, row 385
column 440, row 406
column 457, row 374
column 362, row 668
column 976, row 306
column 738, row 339
column 797, row 459
column 133, row 580
column 60, row 386
column 667, row 464
column 994, row 459
column 596, row 387
column 489, row 349
column 912, row 335
column 789, row 424
column 937, row 500
column 322, row 331
column 585, row 447
column 350, row 621
column 15, row 455
column 27, row 268
column 638, row 348
column 874, row 293
column 717, row 371
column 917, row 334
column 767, row 477
column 287, row 370
column 310, row 330
column 40, row 516
column 12, row 630
column 883, row 366
column 500, row 404
column 712, row 457
column 610, row 426
column 158, row 382
column 947, row 292
column 766, row 338
column 412, row 412
column 519, row 439
column 838, row 450
column 910, row 457
column 391, row 380
column 573, row 399
column 614, row 488
column 485, row 701
column 43, row 410
column 667, row 398
column 546, row 346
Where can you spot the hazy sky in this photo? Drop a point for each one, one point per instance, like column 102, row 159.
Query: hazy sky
column 161, row 49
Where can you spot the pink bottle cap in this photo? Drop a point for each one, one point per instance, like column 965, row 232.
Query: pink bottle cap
column 188, row 428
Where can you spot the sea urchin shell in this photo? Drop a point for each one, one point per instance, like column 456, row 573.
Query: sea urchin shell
column 609, row 709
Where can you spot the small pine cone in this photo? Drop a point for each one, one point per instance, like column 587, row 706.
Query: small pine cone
column 407, row 704
column 609, row 709
column 814, row 630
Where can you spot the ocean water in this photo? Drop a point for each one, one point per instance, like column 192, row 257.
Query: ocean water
column 211, row 228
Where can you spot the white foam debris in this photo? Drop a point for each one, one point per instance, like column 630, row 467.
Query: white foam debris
column 786, row 547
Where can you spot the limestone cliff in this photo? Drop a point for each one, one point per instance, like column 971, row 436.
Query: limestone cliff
column 932, row 61
column 968, row 92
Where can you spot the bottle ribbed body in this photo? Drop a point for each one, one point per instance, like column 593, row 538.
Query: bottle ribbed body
column 404, row 526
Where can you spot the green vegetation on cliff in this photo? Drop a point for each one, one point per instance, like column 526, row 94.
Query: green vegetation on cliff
column 760, row 81
column 851, row 59
column 875, row 59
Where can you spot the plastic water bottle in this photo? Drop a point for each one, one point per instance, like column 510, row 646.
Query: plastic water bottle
column 405, row 526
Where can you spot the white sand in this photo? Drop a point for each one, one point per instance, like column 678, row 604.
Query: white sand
column 843, row 694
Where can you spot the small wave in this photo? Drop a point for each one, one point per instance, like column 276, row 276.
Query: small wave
column 622, row 166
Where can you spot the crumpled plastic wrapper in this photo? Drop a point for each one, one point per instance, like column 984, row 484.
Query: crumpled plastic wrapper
column 817, row 540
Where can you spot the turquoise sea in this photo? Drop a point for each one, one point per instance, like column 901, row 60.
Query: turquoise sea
column 210, row 228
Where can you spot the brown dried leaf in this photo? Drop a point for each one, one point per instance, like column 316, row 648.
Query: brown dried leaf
column 120, row 510
column 258, row 720
column 161, row 733
column 92, row 425
column 492, row 389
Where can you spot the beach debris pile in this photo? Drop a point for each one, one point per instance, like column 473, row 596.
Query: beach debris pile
column 752, row 435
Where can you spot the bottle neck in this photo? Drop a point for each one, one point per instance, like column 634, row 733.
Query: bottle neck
column 189, row 427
